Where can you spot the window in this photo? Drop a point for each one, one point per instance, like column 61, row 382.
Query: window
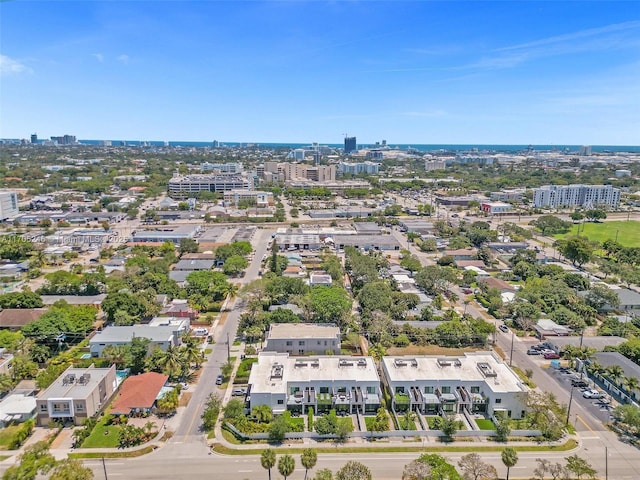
column 498, row 400
column 428, row 389
column 371, row 389
column 446, row 389
column 475, row 389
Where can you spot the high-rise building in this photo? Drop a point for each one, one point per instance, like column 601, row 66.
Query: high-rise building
column 350, row 145
column 34, row 138
column 588, row 196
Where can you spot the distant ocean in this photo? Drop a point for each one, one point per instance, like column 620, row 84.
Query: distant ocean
column 422, row 148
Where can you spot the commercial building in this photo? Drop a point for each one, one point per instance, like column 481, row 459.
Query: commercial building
column 349, row 384
column 221, row 167
column 189, row 185
column 587, row 196
column 476, row 382
column 368, row 168
column 77, row 394
column 252, row 198
column 496, row 208
column 303, row 338
column 8, row 205
column 165, row 234
column 160, row 337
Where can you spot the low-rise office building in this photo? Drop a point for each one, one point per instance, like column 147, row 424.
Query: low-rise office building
column 77, row 394
column 477, row 382
column 303, row 338
column 348, row 384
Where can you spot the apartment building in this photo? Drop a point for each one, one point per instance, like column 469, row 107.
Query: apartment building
column 184, row 186
column 368, row 168
column 476, row 382
column 77, row 394
column 322, row 383
column 303, row 338
column 587, row 196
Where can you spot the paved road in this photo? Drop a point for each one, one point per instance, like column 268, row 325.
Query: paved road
column 195, row 464
column 189, row 430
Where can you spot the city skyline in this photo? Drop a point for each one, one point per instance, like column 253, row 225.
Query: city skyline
column 409, row 72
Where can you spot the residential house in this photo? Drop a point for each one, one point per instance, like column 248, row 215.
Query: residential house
column 160, row 336
column 16, row 318
column 349, row 384
column 478, row 382
column 303, row 338
column 17, row 408
column 138, row 393
column 77, row 394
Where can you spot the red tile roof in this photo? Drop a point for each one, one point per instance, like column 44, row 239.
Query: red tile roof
column 139, row 391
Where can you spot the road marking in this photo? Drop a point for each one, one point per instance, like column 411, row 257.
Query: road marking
column 578, row 417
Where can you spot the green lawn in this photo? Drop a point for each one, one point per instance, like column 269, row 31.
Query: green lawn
column 484, row 424
column 99, row 438
column 628, row 233
column 7, row 434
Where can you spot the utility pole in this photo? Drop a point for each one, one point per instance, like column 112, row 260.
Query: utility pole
column 569, row 407
column 511, row 354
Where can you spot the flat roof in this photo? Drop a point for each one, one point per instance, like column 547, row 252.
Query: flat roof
column 302, row 330
column 70, row 385
column 116, row 334
column 328, row 369
column 467, row 368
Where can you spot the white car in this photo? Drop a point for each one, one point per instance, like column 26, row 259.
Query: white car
column 593, row 394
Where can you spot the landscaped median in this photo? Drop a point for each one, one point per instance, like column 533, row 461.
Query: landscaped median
column 567, row 446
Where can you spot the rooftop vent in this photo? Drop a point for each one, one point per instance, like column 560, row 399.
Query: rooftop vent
column 277, row 370
column 444, row 362
column 486, row 370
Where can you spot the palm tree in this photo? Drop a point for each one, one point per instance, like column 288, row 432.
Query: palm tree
column 171, row 361
column 268, row 460
column 308, row 459
column 509, row 458
column 286, row 465
column 631, row 384
column 615, row 373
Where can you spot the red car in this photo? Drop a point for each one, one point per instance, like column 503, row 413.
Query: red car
column 551, row 356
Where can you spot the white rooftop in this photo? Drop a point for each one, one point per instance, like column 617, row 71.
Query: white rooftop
column 275, row 371
column 303, row 330
column 468, row 368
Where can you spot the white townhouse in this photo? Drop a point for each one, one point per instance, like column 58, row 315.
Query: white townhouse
column 479, row 382
column 349, row 384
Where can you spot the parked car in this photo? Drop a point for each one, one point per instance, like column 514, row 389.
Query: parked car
column 504, row 328
column 551, row 356
column 533, row 351
column 219, row 380
column 592, row 394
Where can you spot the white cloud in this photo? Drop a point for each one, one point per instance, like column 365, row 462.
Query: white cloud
column 9, row 66
column 123, row 58
column 98, row 56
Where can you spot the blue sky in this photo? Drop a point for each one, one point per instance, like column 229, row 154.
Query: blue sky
column 301, row 71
